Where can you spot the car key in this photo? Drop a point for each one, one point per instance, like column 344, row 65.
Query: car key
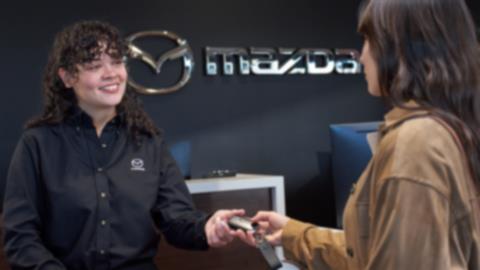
column 243, row 223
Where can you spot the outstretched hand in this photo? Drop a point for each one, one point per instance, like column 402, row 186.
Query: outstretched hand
column 270, row 225
column 217, row 231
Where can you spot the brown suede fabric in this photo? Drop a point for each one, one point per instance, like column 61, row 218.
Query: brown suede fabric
column 414, row 207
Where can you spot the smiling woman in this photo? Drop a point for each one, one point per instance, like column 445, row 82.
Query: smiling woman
column 92, row 174
column 88, row 58
column 99, row 86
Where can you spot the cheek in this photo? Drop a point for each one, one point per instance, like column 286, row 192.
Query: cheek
column 89, row 83
column 123, row 73
column 83, row 88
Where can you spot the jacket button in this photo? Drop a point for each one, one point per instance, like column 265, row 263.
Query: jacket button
column 354, row 186
column 350, row 252
column 99, row 169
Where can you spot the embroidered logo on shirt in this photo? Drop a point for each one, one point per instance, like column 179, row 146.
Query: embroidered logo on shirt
column 137, row 165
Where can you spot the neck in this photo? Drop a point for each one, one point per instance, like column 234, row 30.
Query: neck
column 100, row 117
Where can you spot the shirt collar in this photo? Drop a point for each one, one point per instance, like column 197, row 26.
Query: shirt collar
column 80, row 118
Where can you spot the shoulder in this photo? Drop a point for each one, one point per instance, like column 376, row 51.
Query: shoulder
column 424, row 133
column 31, row 141
column 425, row 140
column 420, row 137
column 39, row 133
column 47, row 137
column 421, row 150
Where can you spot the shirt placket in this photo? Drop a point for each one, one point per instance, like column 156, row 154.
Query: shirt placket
column 104, row 210
column 103, row 223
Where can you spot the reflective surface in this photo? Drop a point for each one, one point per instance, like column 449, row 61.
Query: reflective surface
column 183, row 51
column 281, row 61
column 227, row 56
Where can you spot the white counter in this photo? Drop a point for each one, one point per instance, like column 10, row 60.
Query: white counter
column 243, row 182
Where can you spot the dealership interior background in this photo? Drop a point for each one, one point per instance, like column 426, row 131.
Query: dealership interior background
column 252, row 124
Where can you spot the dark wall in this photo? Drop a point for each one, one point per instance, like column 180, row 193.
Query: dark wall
column 254, row 124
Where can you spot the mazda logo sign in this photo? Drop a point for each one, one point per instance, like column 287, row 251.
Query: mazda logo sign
column 182, row 51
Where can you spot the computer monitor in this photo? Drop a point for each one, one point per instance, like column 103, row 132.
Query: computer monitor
column 350, row 156
column 181, row 153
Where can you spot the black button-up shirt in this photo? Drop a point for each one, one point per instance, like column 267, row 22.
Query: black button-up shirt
column 75, row 200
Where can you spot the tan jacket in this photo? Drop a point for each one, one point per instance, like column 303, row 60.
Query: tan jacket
column 410, row 209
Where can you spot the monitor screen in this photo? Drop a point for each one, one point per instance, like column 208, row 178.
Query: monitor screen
column 350, row 156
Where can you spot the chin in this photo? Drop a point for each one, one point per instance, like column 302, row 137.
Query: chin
column 114, row 99
column 112, row 102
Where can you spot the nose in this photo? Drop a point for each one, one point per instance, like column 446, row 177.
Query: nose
column 108, row 71
column 362, row 55
column 365, row 52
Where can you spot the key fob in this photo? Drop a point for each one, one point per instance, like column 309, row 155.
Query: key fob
column 242, row 223
column 269, row 254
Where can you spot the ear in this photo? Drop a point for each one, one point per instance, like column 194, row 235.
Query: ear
column 66, row 77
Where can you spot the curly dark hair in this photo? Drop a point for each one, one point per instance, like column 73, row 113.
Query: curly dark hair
column 80, row 43
column 427, row 51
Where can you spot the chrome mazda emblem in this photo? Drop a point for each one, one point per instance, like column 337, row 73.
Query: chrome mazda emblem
column 182, row 50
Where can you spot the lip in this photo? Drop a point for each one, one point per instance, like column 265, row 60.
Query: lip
column 111, row 88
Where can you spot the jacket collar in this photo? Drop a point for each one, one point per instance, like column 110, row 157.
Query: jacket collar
column 398, row 115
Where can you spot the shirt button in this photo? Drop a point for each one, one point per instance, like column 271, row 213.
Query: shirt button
column 103, row 194
column 99, row 169
column 102, row 251
column 103, row 222
column 104, row 145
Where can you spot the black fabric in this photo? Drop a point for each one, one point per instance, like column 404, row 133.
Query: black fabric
column 72, row 203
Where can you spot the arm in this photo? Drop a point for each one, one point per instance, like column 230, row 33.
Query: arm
column 314, row 247
column 409, row 227
column 22, row 218
column 174, row 212
column 307, row 245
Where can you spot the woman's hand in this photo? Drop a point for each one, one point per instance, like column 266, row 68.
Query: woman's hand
column 217, row 231
column 271, row 225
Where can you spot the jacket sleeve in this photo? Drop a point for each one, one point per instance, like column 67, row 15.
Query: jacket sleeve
column 174, row 212
column 405, row 236
column 23, row 243
column 313, row 247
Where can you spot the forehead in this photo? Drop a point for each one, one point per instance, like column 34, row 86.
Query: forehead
column 99, row 57
column 102, row 49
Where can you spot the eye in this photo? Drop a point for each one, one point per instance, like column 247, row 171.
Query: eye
column 92, row 66
column 119, row 61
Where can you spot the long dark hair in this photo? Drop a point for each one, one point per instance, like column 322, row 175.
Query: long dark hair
column 77, row 44
column 427, row 51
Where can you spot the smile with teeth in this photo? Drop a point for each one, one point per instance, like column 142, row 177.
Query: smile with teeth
column 110, row 88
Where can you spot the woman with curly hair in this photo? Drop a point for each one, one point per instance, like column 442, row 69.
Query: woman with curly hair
column 91, row 182
column 416, row 205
